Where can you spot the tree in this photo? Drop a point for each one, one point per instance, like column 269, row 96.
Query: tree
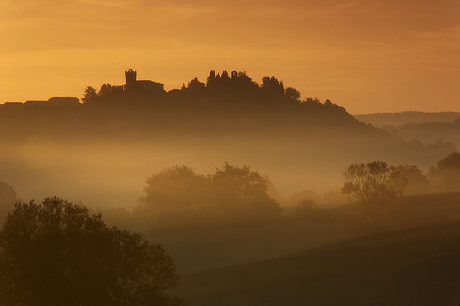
column 374, row 182
column 179, row 194
column 56, row 253
column 90, row 94
column 292, row 93
column 417, row 182
column 196, row 87
column 8, row 197
column 272, row 87
column 224, row 77
column 106, row 90
column 175, row 188
column 211, row 81
column 243, row 190
column 445, row 177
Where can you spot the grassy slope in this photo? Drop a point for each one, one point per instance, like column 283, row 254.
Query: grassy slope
column 418, row 266
column 197, row 249
column 205, row 246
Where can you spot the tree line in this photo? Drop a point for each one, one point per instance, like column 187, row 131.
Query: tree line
column 179, row 193
column 378, row 182
column 237, row 86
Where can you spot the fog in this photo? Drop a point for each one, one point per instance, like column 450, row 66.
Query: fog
column 109, row 173
column 101, row 152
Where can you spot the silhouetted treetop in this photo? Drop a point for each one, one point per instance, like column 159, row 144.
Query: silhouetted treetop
column 239, row 182
column 8, row 197
column 56, row 253
column 173, row 188
column 292, row 93
column 233, row 191
column 373, row 183
column 90, row 94
column 196, row 85
column 450, row 162
column 272, row 87
column 417, row 182
column 445, row 177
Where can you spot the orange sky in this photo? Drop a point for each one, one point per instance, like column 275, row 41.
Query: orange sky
column 368, row 56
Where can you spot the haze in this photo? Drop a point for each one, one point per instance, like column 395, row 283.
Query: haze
column 224, row 132
column 368, row 56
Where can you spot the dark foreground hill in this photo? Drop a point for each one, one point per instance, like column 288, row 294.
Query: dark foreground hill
column 418, row 266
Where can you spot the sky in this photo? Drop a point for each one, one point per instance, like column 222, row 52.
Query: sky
column 367, row 56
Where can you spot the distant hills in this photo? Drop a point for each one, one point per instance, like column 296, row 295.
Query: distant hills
column 411, row 267
column 428, row 128
column 395, row 119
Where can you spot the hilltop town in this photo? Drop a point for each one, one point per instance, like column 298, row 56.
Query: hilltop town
column 217, row 84
column 132, row 86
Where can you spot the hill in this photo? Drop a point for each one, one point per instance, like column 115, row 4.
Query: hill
column 417, row 266
column 209, row 243
column 381, row 119
column 101, row 151
column 428, row 132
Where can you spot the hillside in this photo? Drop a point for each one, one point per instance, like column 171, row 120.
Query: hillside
column 210, row 243
column 417, row 266
column 101, row 151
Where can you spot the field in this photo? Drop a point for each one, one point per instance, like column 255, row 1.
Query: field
column 417, row 266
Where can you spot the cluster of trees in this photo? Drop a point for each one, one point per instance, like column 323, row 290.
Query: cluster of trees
column 378, row 182
column 231, row 193
column 55, row 253
column 241, row 85
column 374, row 182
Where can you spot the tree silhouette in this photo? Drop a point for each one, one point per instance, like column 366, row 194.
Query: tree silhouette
column 175, row 188
column 8, row 197
column 445, row 177
column 106, row 89
column 417, row 182
column 211, row 81
column 90, row 94
column 272, row 87
column 55, row 253
column 242, row 189
column 292, row 93
column 178, row 193
column 224, row 77
column 374, row 182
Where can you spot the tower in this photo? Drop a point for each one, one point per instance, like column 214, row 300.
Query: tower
column 131, row 78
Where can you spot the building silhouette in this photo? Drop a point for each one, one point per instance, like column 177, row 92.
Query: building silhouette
column 144, row 87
